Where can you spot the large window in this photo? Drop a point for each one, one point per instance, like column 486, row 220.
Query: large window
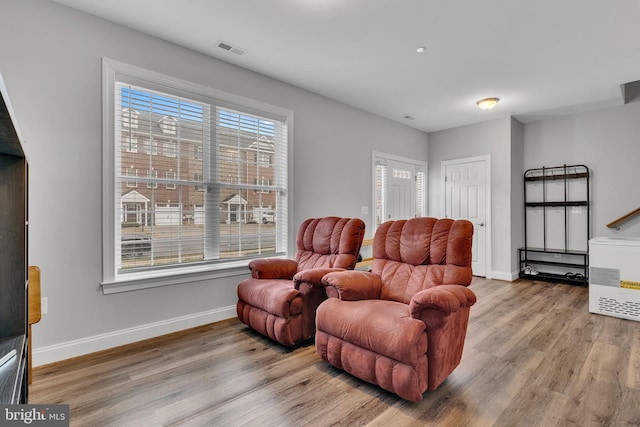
column 213, row 164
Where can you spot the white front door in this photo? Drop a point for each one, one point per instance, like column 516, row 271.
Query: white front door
column 399, row 188
column 465, row 198
column 401, row 195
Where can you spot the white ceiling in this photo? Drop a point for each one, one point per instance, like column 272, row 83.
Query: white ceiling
column 540, row 57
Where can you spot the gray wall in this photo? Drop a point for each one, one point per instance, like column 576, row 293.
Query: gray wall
column 608, row 142
column 51, row 63
column 517, row 195
column 605, row 140
column 492, row 138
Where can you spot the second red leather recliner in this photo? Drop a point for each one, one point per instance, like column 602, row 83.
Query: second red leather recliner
column 282, row 295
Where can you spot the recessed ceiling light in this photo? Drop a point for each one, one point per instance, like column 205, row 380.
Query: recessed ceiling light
column 421, row 49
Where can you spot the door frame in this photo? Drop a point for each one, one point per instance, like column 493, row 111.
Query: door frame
column 379, row 155
column 487, row 162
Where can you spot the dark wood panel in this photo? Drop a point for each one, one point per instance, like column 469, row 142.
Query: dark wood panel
column 13, row 255
column 9, row 140
column 534, row 356
column 12, row 246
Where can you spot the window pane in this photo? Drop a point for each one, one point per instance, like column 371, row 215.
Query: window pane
column 246, row 229
column 195, row 182
column 160, row 232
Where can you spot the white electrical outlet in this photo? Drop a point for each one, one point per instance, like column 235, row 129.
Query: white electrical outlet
column 364, row 210
column 44, row 305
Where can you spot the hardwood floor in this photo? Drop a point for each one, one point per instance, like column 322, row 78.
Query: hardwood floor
column 534, row 356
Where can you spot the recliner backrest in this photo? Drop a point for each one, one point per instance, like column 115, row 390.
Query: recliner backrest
column 329, row 242
column 419, row 253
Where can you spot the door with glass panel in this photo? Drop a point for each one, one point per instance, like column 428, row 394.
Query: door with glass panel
column 399, row 189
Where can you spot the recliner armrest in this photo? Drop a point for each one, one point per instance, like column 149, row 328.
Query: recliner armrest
column 313, row 276
column 444, row 298
column 273, row 268
column 352, row 285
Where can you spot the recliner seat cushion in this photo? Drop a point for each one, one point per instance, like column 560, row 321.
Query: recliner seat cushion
column 276, row 296
column 385, row 327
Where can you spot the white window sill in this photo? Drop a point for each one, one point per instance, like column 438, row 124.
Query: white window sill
column 153, row 279
column 135, row 282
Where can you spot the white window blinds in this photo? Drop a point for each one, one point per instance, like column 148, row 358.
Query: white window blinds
column 421, row 192
column 197, row 180
column 381, row 192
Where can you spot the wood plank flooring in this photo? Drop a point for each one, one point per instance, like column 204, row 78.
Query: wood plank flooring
column 534, row 356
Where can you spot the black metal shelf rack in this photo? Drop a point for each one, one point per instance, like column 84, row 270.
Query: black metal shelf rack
column 550, row 264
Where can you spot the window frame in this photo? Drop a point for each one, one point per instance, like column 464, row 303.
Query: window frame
column 170, row 149
column 132, row 145
column 152, row 174
column 173, row 176
column 134, row 183
column 112, row 280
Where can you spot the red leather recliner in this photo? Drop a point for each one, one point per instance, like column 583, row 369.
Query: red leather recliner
column 402, row 325
column 282, row 295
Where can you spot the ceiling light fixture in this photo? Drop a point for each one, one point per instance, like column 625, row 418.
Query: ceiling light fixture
column 487, row 103
column 421, row 49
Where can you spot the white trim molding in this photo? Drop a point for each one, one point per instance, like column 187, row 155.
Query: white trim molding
column 503, row 275
column 79, row 347
column 169, row 278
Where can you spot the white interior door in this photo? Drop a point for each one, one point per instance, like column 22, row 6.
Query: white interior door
column 401, row 190
column 465, row 198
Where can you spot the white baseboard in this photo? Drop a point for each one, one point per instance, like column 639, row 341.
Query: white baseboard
column 79, row 347
column 501, row 275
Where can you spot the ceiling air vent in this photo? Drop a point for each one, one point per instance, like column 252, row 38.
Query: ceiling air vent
column 229, row 47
